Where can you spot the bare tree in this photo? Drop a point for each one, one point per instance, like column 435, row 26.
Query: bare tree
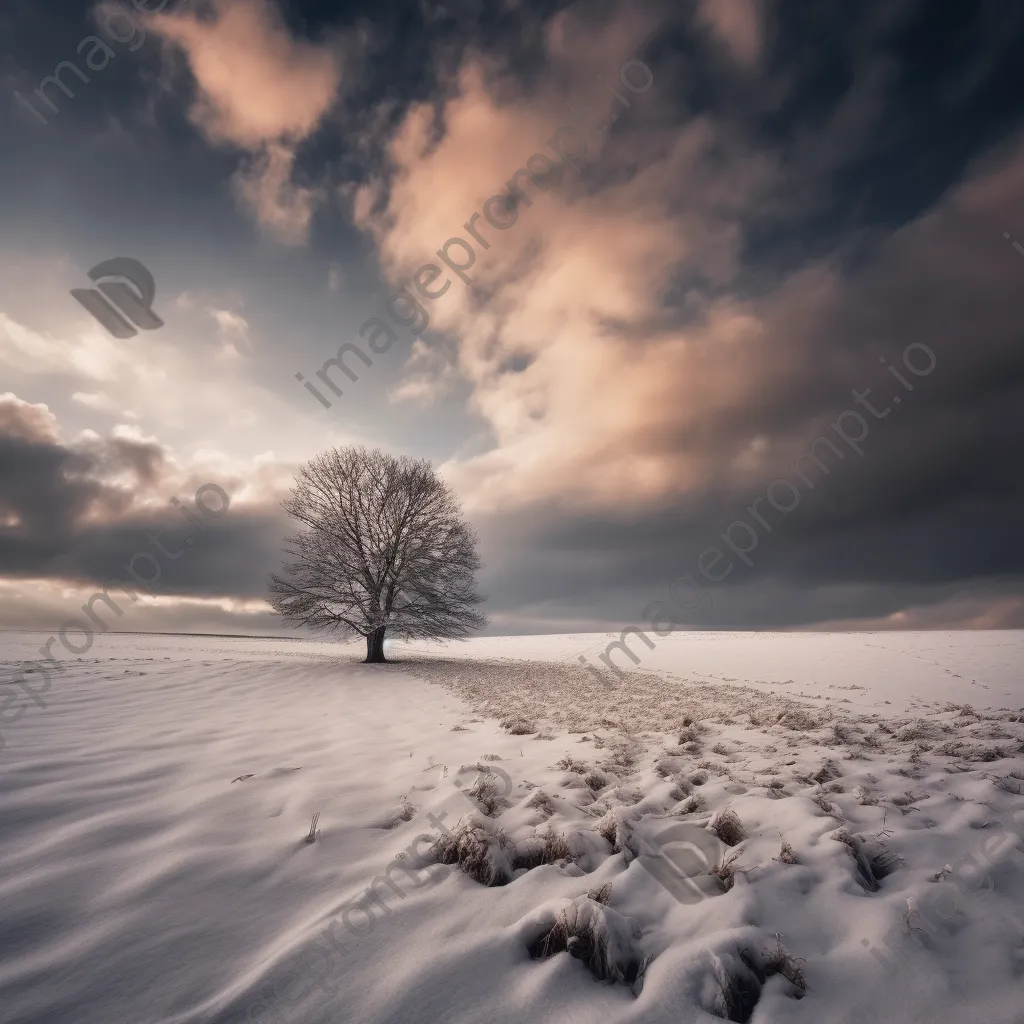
column 384, row 549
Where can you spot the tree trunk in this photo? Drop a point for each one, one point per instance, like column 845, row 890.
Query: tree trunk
column 375, row 647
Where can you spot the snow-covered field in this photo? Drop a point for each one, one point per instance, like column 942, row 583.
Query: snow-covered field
column 493, row 829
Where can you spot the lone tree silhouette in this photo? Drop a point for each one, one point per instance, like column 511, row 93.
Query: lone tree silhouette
column 384, row 549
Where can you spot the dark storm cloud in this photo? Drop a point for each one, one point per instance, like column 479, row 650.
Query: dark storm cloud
column 69, row 514
column 46, row 488
column 932, row 506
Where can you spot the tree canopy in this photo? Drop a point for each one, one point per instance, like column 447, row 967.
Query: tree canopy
column 383, row 549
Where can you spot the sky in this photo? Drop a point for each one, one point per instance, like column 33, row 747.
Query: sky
column 611, row 267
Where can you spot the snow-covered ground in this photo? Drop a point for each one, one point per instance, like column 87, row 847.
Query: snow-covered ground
column 845, row 812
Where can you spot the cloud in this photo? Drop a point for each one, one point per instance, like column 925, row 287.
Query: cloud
column 283, row 208
column 642, row 380
column 180, row 381
column 428, row 374
column 262, row 90
column 27, row 422
column 74, row 512
column 34, row 604
column 234, row 333
column 256, row 83
column 573, row 317
column 738, row 25
column 90, row 353
column 94, row 400
column 335, row 278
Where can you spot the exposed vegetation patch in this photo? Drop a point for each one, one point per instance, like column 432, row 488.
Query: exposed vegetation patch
column 547, row 847
column 602, row 939
column 519, row 726
column 487, row 857
column 727, row 826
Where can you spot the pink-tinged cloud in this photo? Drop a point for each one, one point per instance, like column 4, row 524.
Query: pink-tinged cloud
column 260, row 89
column 27, row 421
column 738, row 25
column 577, row 364
column 562, row 343
column 281, row 206
column 256, row 83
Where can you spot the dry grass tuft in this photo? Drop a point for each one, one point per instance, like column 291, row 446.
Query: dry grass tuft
column 786, row 854
column 967, row 751
column 519, row 726
column 803, row 719
column 727, row 826
column 624, row 755
column 725, row 872
column 598, row 936
column 486, row 857
column 485, row 792
column 827, row 772
column 683, row 783
column 739, row 980
column 781, row 961
column 921, row 729
column 824, row 803
column 547, row 847
column 616, row 828
column 1010, row 784
column 628, row 795
column 907, row 798
column 874, row 861
column 313, row 830
column 692, row 804
column 864, row 797
column 842, row 734
column 540, row 801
